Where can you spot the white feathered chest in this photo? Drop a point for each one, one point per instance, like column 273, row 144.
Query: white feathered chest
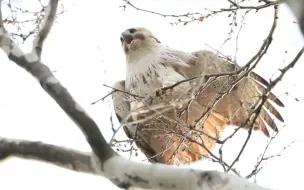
column 153, row 71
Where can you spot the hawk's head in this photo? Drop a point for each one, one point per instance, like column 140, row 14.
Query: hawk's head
column 139, row 39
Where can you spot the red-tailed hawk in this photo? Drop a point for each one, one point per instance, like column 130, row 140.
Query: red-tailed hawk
column 170, row 126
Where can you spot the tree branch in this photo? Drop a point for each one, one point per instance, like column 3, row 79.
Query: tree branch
column 122, row 172
column 24, row 23
column 47, row 24
column 156, row 176
column 237, row 6
column 63, row 157
column 196, row 16
column 59, row 93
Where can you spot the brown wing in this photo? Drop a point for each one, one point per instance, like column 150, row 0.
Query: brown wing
column 167, row 137
column 233, row 109
column 160, row 139
column 122, row 109
column 236, row 106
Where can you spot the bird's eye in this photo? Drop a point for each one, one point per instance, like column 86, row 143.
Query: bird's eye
column 121, row 40
column 132, row 30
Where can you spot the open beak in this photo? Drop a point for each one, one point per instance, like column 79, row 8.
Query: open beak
column 127, row 37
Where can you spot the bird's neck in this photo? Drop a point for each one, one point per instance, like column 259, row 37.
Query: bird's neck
column 141, row 59
column 136, row 56
column 155, row 69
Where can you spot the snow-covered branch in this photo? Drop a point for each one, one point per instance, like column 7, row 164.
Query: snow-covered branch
column 122, row 172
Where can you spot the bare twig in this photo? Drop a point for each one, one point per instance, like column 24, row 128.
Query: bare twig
column 237, row 6
column 114, row 90
column 25, row 23
column 156, row 13
column 191, row 17
column 263, row 98
column 262, row 158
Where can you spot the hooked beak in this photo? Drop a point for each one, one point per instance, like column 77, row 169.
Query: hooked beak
column 127, row 37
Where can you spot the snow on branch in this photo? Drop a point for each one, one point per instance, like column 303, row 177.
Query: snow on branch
column 103, row 161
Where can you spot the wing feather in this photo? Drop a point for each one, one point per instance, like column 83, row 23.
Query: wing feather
column 271, row 96
column 266, row 117
column 262, row 126
column 122, row 110
column 273, row 111
column 235, row 106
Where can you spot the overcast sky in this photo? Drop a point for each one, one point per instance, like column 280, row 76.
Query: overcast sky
column 84, row 49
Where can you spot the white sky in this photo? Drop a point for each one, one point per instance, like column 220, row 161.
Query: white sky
column 85, row 43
